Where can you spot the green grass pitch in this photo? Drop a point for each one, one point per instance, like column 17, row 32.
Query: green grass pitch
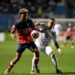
column 23, row 67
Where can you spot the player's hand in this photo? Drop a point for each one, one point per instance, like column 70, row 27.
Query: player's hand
column 60, row 51
column 12, row 36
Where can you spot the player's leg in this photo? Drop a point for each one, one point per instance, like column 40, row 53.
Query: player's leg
column 20, row 49
column 35, row 58
column 35, row 64
column 72, row 42
column 50, row 53
column 65, row 41
column 13, row 62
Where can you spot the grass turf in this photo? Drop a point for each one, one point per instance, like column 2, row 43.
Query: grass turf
column 23, row 67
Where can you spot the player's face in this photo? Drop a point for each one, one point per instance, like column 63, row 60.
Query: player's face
column 23, row 16
column 51, row 24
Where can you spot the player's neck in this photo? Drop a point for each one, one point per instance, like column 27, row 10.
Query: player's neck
column 23, row 20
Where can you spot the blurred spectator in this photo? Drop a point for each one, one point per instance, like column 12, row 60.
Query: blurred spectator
column 37, row 7
column 70, row 8
column 69, row 34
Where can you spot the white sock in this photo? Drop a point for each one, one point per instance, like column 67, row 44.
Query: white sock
column 54, row 61
column 33, row 63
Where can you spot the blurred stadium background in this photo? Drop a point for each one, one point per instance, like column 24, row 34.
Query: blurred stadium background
column 37, row 9
column 62, row 10
column 44, row 9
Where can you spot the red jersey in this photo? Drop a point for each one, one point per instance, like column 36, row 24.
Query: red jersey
column 24, row 31
column 69, row 31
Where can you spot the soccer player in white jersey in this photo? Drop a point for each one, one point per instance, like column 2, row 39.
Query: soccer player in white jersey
column 42, row 38
column 55, row 31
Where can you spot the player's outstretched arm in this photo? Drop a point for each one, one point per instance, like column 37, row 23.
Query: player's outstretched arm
column 58, row 48
column 12, row 33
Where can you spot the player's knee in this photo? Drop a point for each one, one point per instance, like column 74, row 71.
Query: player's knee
column 36, row 60
column 37, row 54
column 49, row 50
column 18, row 55
column 52, row 53
column 36, row 51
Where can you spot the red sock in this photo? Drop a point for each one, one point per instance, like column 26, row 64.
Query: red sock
column 10, row 67
column 72, row 43
column 65, row 44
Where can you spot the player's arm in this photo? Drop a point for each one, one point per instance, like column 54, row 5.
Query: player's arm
column 57, row 46
column 56, row 43
column 51, row 23
column 12, row 33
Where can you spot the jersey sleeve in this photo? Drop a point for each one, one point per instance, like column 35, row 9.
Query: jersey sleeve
column 13, row 28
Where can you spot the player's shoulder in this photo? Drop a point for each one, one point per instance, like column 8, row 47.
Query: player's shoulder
column 17, row 22
column 29, row 20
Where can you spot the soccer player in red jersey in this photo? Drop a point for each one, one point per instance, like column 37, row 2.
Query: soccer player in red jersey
column 69, row 34
column 23, row 27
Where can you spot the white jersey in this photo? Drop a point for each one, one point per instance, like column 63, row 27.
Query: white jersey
column 57, row 28
column 43, row 39
column 42, row 42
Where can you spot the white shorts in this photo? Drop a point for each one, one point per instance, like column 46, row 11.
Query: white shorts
column 47, row 50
